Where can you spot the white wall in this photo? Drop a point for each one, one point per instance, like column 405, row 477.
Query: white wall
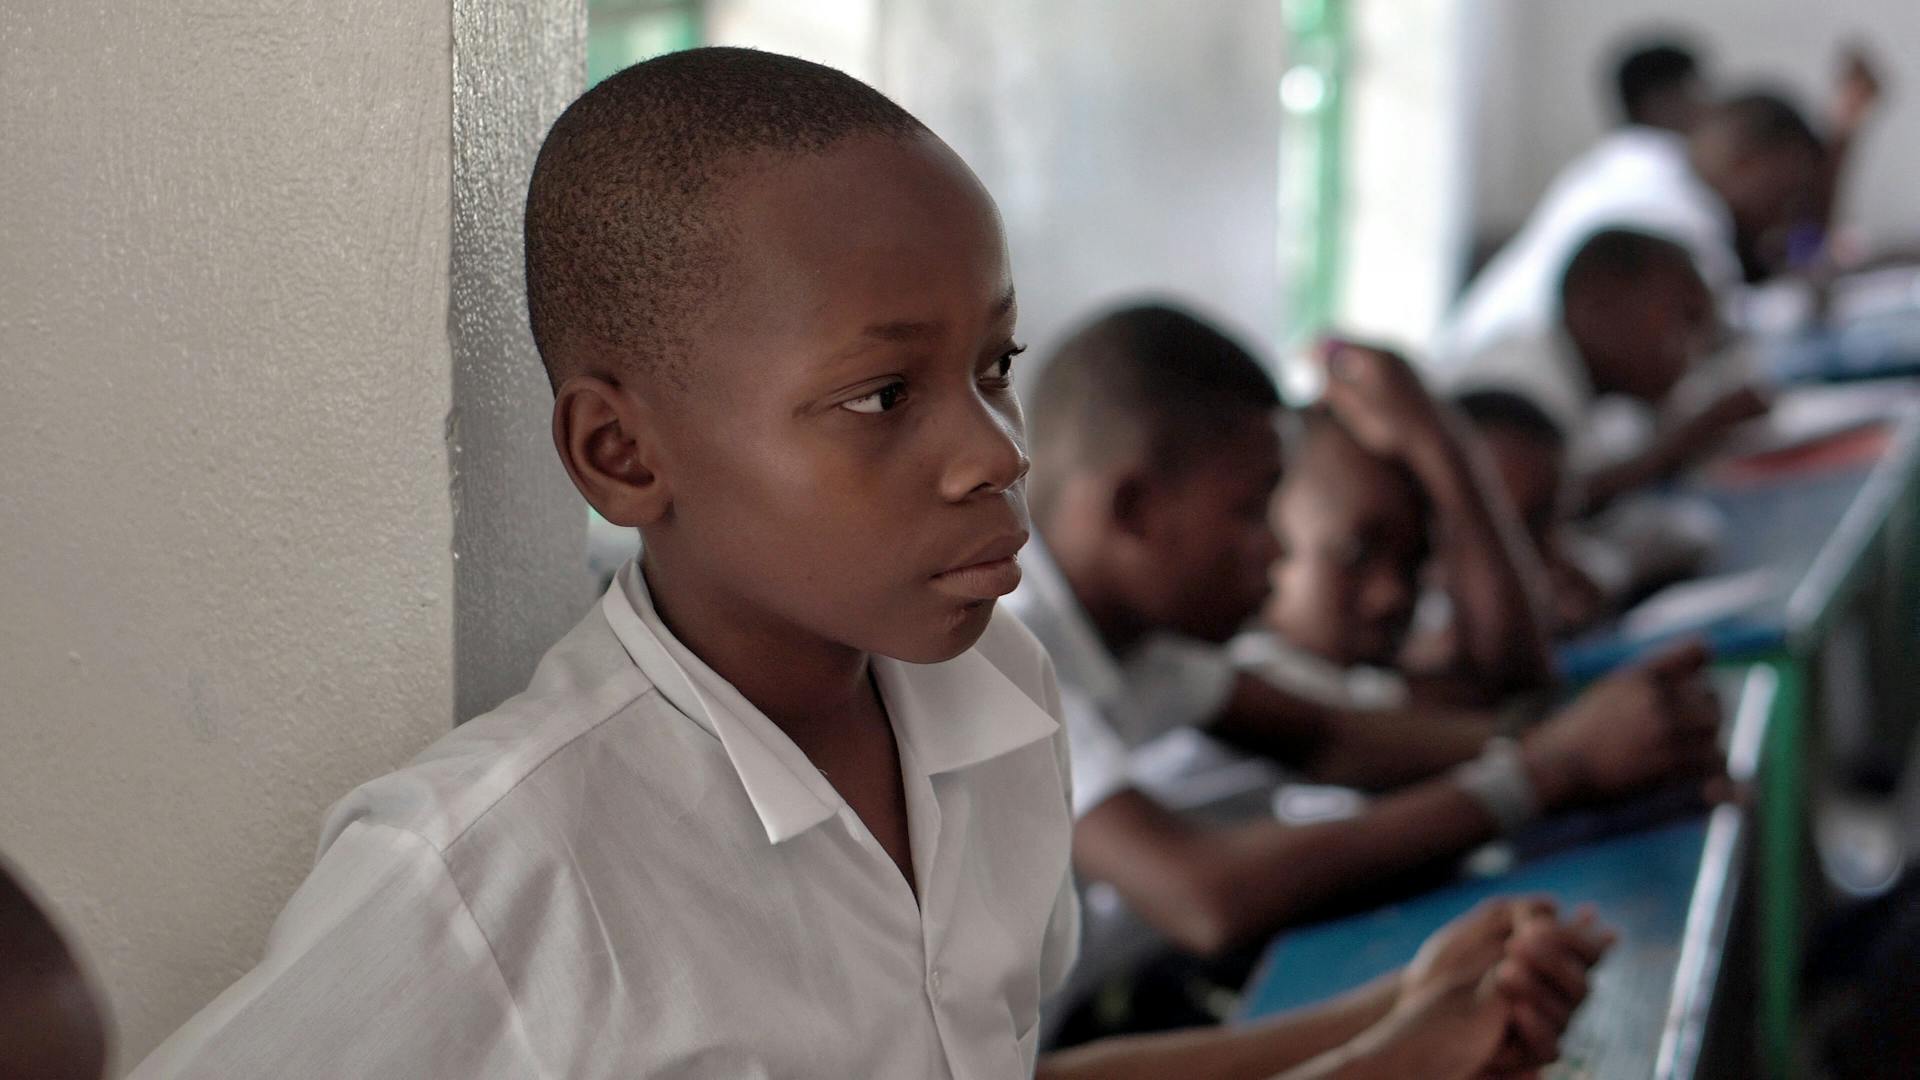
column 227, row 592
column 1545, row 97
column 1407, row 168
column 1132, row 149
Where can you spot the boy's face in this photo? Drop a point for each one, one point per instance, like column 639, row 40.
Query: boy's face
column 1655, row 328
column 848, row 461
column 1208, row 542
column 1352, row 531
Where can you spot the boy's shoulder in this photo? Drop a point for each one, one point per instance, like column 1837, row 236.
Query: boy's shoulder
column 583, row 684
column 590, row 717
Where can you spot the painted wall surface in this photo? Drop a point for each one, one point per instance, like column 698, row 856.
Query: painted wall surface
column 1129, row 155
column 1407, row 169
column 1543, row 99
column 225, row 594
column 520, row 528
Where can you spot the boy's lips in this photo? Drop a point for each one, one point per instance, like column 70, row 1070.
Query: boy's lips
column 989, row 571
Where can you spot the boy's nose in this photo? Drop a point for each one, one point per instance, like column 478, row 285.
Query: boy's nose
column 989, row 457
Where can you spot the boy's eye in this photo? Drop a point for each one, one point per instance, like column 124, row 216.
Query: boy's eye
column 1003, row 366
column 882, row 400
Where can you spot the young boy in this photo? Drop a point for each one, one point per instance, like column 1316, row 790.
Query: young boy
column 791, row 801
column 1633, row 315
column 1155, row 456
column 1746, row 168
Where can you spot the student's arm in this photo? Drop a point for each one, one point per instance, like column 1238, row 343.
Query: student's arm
column 1679, row 445
column 1370, row 749
column 1212, row 887
column 1254, row 1052
column 1859, row 93
column 1492, row 571
column 1489, row 995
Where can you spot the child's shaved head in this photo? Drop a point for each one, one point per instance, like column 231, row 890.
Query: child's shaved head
column 628, row 235
column 1149, row 381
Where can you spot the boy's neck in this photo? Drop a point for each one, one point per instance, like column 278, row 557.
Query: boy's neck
column 806, row 685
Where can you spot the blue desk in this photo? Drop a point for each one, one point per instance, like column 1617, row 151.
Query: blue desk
column 1883, row 345
column 1668, row 888
column 1810, row 531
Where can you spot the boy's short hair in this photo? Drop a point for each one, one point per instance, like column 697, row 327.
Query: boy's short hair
column 1764, row 119
column 1504, row 410
column 627, row 233
column 1614, row 258
column 1649, row 69
column 1148, row 378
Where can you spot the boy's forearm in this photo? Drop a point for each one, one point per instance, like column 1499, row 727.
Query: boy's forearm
column 1495, row 577
column 1213, row 888
column 1371, row 749
column 1381, row 750
column 1320, row 1040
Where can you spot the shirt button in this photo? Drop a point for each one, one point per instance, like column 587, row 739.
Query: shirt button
column 933, row 982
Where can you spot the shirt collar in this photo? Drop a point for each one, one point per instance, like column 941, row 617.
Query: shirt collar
column 951, row 715
column 1046, row 603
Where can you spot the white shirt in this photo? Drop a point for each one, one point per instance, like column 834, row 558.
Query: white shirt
column 1315, row 678
column 1636, row 177
column 629, row 871
column 1111, row 707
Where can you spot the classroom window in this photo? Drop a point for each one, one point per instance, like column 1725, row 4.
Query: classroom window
column 624, row 32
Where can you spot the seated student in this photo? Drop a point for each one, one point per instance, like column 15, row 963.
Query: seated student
column 1633, row 316
column 792, row 799
column 1155, row 455
column 1746, row 169
column 1431, row 497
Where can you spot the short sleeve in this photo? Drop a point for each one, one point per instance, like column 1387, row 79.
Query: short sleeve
column 375, row 968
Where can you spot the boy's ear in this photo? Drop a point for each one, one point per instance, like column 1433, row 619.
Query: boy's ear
column 609, row 444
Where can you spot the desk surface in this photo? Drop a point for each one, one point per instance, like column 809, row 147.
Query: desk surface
column 1804, row 529
column 1667, row 888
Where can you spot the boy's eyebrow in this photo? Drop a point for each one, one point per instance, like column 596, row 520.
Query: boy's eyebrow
column 909, row 330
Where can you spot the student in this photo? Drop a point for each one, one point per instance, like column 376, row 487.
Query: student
column 791, row 800
column 1429, row 495
column 1155, row 456
column 1633, row 315
column 1746, row 168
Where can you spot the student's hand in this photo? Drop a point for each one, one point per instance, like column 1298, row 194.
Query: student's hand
column 1695, row 435
column 1465, row 950
column 1544, row 977
column 1655, row 723
column 1858, row 91
column 1380, row 400
column 1491, row 993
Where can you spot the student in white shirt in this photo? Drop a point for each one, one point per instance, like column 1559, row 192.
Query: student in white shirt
column 1631, row 318
column 1748, row 167
column 1155, row 455
column 792, row 800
